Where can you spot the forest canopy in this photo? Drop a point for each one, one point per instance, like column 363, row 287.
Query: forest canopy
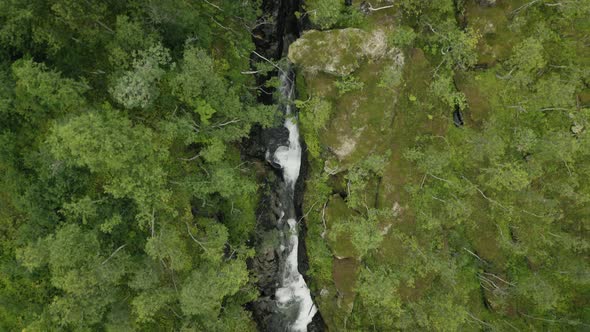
column 117, row 119
column 446, row 162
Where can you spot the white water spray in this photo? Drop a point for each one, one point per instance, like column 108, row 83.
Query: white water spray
column 293, row 292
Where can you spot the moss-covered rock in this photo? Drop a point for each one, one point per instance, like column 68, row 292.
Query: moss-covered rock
column 339, row 52
column 361, row 118
column 334, row 52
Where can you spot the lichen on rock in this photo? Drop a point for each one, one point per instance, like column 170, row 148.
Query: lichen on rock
column 332, row 52
column 339, row 52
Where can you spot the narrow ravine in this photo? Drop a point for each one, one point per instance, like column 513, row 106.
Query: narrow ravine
column 293, row 296
column 285, row 302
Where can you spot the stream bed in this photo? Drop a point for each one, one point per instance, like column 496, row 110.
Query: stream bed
column 293, row 296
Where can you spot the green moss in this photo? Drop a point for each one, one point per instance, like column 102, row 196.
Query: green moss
column 423, row 248
column 337, row 212
column 336, row 299
column 416, row 117
column 335, row 52
column 481, row 90
column 494, row 25
column 361, row 119
column 320, row 262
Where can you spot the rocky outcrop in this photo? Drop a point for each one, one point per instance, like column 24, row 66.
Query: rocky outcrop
column 260, row 141
column 458, row 117
column 487, row 3
column 328, row 51
column 276, row 28
column 339, row 52
column 265, row 266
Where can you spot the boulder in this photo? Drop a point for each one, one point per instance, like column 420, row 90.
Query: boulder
column 339, row 52
column 487, row 3
column 334, row 52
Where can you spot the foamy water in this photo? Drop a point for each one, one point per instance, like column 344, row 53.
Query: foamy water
column 293, row 291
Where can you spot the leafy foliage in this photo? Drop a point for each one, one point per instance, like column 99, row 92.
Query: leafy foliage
column 124, row 188
column 348, row 84
column 125, row 202
column 314, row 115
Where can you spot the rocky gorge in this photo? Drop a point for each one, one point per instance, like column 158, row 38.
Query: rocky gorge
column 285, row 303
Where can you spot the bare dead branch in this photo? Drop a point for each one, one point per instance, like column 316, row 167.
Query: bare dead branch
column 213, row 5
column 474, row 254
column 423, row 179
column 226, row 123
column 308, row 211
column 191, row 158
column 524, row 7
column 324, row 220
column 441, row 179
column 495, row 276
column 479, row 320
column 438, row 199
column 250, row 72
column 153, row 220
column 188, row 229
column 113, row 254
column 373, row 9
column 106, row 27
column 273, row 64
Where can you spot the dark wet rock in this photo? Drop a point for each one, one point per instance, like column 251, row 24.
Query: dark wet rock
column 276, row 29
column 262, row 141
column 458, row 117
column 527, row 157
column 267, row 38
column 481, row 66
column 365, row 8
column 460, row 15
column 265, row 266
column 266, row 262
column 273, row 138
column 317, row 324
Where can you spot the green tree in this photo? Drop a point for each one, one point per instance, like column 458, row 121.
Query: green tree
column 204, row 289
column 324, row 13
column 110, row 145
column 378, row 291
column 366, row 231
column 313, row 116
column 138, row 88
column 41, row 92
column 89, row 285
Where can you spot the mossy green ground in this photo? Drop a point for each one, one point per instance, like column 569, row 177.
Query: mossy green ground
column 341, row 246
column 492, row 23
column 377, row 119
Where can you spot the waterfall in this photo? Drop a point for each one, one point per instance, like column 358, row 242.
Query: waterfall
column 293, row 296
